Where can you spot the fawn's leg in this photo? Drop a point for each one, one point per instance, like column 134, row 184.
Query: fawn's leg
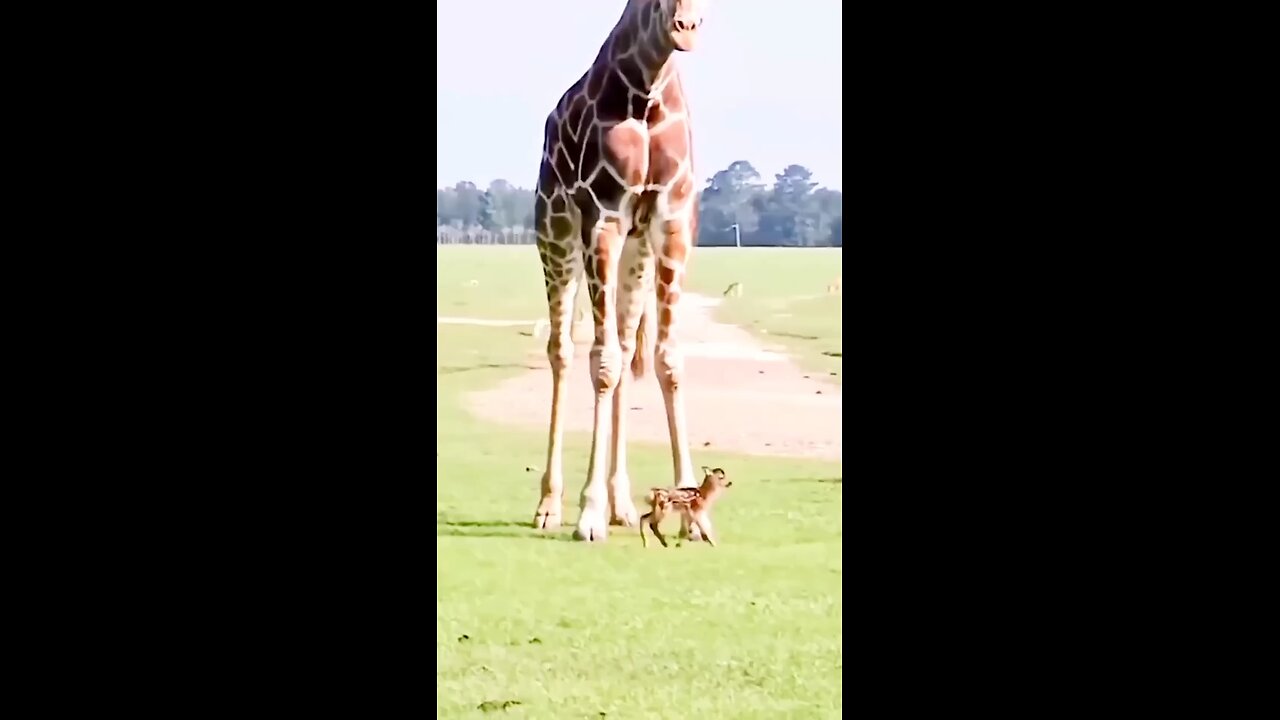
column 651, row 519
column 703, row 523
column 654, row 523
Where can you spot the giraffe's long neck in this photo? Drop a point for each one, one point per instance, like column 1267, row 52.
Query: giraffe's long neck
column 639, row 47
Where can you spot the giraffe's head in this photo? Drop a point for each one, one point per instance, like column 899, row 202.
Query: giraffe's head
column 683, row 20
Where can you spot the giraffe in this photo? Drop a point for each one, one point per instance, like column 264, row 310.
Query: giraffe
column 617, row 201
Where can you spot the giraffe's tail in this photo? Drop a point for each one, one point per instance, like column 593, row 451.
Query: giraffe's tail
column 645, row 336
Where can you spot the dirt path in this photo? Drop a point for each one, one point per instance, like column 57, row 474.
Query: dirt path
column 740, row 397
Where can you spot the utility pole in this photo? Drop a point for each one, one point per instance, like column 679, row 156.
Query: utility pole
column 737, row 234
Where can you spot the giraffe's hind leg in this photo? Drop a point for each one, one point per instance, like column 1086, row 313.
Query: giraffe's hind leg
column 672, row 239
column 635, row 286
column 560, row 247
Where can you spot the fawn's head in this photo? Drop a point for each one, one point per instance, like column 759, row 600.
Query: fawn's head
column 714, row 480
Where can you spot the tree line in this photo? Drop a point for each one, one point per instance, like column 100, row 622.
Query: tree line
column 735, row 205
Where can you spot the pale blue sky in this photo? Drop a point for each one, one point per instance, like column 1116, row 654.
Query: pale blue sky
column 764, row 85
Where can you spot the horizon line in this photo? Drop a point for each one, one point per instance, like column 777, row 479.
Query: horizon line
column 763, row 183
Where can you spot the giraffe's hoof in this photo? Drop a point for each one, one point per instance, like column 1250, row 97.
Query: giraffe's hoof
column 548, row 515
column 625, row 517
column 590, row 534
column 591, row 528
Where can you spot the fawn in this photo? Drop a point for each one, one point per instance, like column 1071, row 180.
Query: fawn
column 694, row 504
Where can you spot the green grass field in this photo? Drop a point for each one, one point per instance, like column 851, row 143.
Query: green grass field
column 784, row 299
column 535, row 625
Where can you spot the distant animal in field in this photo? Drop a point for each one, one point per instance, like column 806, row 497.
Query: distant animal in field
column 734, row 290
column 693, row 504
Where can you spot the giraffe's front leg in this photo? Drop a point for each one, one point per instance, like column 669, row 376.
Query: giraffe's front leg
column 561, row 263
column 560, row 355
column 601, row 257
column 623, row 507
column 673, row 240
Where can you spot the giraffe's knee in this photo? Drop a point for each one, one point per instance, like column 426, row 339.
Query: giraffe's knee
column 626, row 349
column 606, row 368
column 670, row 364
column 560, row 352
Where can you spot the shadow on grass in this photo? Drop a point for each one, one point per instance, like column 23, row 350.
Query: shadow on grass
column 528, row 534
column 454, row 369
column 496, row 529
column 482, row 523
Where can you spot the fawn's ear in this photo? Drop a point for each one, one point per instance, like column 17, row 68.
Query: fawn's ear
column 719, row 472
column 706, row 470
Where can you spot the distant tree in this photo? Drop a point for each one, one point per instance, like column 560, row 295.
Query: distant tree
column 788, row 211
column 794, row 180
column 485, row 216
column 829, row 211
column 467, row 203
column 726, row 201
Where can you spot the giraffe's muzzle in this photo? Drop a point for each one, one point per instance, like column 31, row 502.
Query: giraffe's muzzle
column 684, row 31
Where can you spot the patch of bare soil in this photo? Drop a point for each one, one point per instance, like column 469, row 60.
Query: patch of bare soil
column 739, row 397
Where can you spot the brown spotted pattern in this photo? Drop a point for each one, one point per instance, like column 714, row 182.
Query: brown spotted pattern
column 693, row 504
